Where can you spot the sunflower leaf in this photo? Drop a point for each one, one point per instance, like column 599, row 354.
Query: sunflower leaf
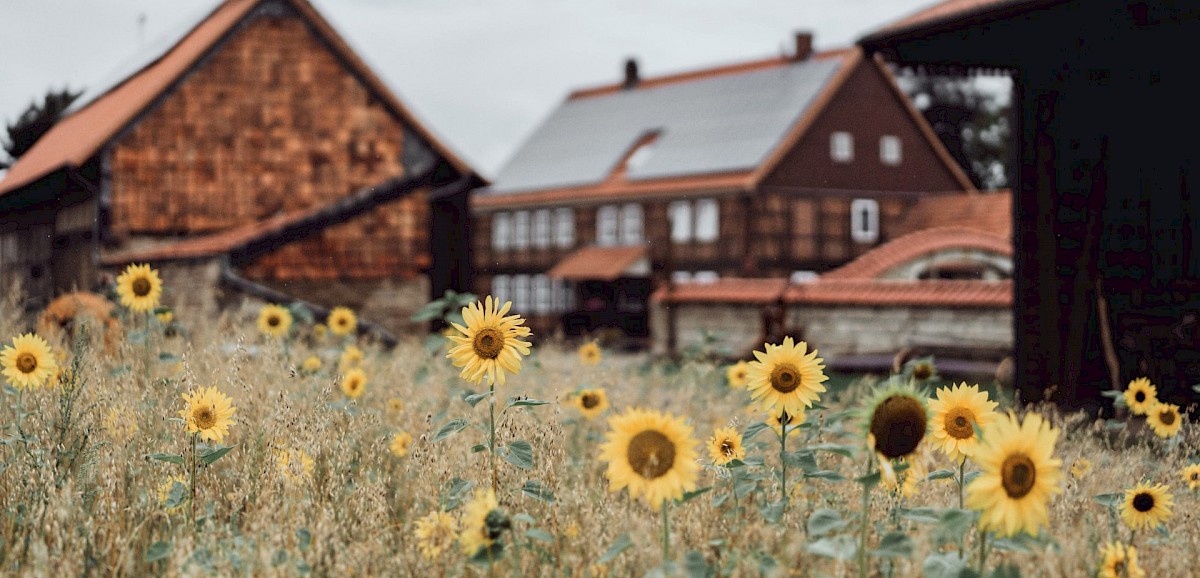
column 894, row 545
column 450, row 428
column 922, row 515
column 455, row 492
column 434, row 342
column 824, row 521
column 844, row 450
column 802, row 459
column 518, row 402
column 753, row 430
column 953, row 524
column 744, row 487
column 473, row 399
column 1006, row 570
column 303, row 538
column 212, row 455
column 870, row 480
column 939, row 475
column 772, row 512
column 524, row 518
column 478, row 448
column 157, row 551
column 829, row 475
column 621, row 544
column 689, row 496
column 1109, row 500
column 176, row 495
column 947, row 565
column 534, row 489
column 837, row 547
column 694, row 566
column 518, row 453
column 171, row 458
column 970, row 477
column 488, row 554
column 540, row 535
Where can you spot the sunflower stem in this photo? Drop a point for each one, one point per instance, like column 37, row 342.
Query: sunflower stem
column 862, row 539
column 783, row 461
column 666, row 538
column 962, row 540
column 492, row 439
column 982, row 550
column 194, row 482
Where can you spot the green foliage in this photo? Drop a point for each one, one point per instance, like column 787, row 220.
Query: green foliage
column 621, row 544
column 158, row 551
column 518, row 453
column 824, row 521
column 534, row 489
column 448, row 307
column 449, row 429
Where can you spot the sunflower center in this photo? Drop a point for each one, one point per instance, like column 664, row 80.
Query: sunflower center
column 1017, row 475
column 140, row 286
column 727, row 448
column 204, row 417
column 898, row 425
column 589, row 400
column 923, row 371
column 27, row 362
column 489, row 342
column 1195, row 476
column 1143, row 502
column 785, row 378
column 958, row 423
column 1167, row 417
column 651, row 454
column 1140, row 396
column 353, row 385
column 273, row 321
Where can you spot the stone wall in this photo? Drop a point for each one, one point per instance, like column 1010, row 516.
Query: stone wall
column 735, row 329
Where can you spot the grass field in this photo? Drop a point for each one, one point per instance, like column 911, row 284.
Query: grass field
column 95, row 473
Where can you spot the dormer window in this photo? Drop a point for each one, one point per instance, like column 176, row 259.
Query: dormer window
column 841, row 147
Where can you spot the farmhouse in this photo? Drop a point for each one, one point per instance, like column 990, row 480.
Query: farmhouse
column 257, row 155
column 783, row 167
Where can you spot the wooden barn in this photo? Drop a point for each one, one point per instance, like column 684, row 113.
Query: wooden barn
column 782, row 167
column 257, row 155
column 1106, row 191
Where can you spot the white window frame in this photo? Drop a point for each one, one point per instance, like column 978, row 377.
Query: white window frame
column 841, row 146
column 803, row 276
column 564, row 227
column 521, row 291
column 520, row 230
column 681, row 277
column 631, row 224
column 705, row 277
column 501, row 231
column 541, row 228
column 707, row 220
column 889, row 150
column 541, row 294
column 864, row 220
column 607, row 225
column 680, row 215
column 502, row 288
column 558, row 296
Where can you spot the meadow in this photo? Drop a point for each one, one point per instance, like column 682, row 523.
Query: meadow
column 340, row 455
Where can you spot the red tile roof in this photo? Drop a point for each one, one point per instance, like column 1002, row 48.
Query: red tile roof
column 597, row 263
column 988, row 212
column 900, row 250
column 951, row 14
column 79, row 136
column 208, row 245
column 925, row 293
column 674, row 186
column 726, row 290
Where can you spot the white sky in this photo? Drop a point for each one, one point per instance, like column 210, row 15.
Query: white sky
column 480, row 73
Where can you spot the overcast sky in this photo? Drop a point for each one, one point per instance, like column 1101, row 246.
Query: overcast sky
column 480, row 73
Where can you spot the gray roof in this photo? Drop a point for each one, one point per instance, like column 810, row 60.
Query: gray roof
column 722, row 123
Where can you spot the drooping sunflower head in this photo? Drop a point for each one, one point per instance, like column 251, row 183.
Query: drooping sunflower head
column 274, row 321
column 920, row 369
column 589, row 353
column 1019, row 475
column 28, row 362
column 209, row 413
column 590, row 402
column 1164, row 419
column 1191, row 476
column 780, row 419
column 342, row 321
column 435, row 534
column 1140, row 396
column 725, row 445
column 897, row 419
column 957, row 412
column 1119, row 561
column 786, row 376
column 139, row 288
column 483, row 522
column 652, row 454
column 401, row 442
column 737, row 375
column 353, row 383
column 1147, row 506
column 294, row 465
column 490, row 344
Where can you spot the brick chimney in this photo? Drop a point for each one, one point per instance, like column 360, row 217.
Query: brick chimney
column 804, row 40
column 631, row 73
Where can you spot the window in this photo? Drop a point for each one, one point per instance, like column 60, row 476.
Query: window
column 631, row 224
column 680, row 213
column 541, row 228
column 841, row 147
column 889, row 149
column 502, row 288
column 541, row 294
column 501, row 231
column 681, row 277
column 558, row 296
column 705, row 277
column 520, row 230
column 606, row 226
column 564, row 228
column 707, row 220
column 803, row 276
column 864, row 220
column 520, row 294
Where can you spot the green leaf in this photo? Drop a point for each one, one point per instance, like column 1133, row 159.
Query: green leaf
column 869, row 481
column 970, row 477
column 304, row 537
column 450, row 428
column 772, row 512
column 1006, row 570
column 518, row 453
column 524, row 518
column 534, row 489
column 953, row 524
column 766, row 564
column 894, row 545
column 947, row 565
column 518, row 402
column 478, row 448
column 802, row 459
column 922, row 515
column 166, row 357
column 212, row 455
column 432, row 310
column 744, row 487
column 939, row 475
column 456, row 492
column 694, row 565
column 753, row 461
column 825, row 475
column 540, row 535
column 621, row 544
column 837, row 547
column 824, row 521
column 689, row 496
column 473, row 399
column 434, row 343
column 421, row 375
column 1109, row 500
column 176, row 495
column 171, row 458
column 1112, row 393
column 839, row 449
column 753, row 430
column 488, row 554
column 157, row 551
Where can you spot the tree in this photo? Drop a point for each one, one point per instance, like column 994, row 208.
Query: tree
column 35, row 122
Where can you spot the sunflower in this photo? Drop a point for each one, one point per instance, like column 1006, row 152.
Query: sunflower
column 956, row 414
column 897, row 418
column 353, row 383
column 28, row 363
column 311, row 364
column 274, row 320
column 1080, row 468
column 482, row 522
column 1191, row 476
column 395, row 405
column 1119, row 561
column 489, row 344
column 351, row 357
column 400, row 444
column 778, row 419
column 590, row 402
column 650, row 453
column 319, row 330
column 139, row 288
column 295, row 465
column 921, row 369
column 737, row 374
column 725, row 445
column 342, row 321
column 1140, row 396
column 1164, row 418
column 786, row 376
column 165, row 317
column 589, row 353
column 435, row 534
column 208, row 413
column 168, row 487
column 120, row 424
column 1019, row 475
column 1146, row 506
